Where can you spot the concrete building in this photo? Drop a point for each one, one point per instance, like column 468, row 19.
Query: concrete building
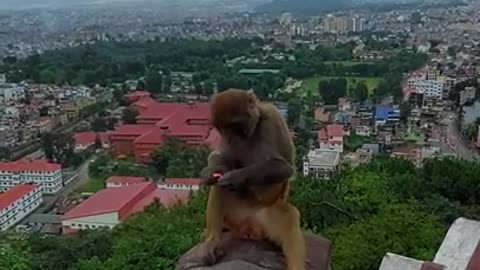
column 429, row 88
column 386, row 115
column 18, row 202
column 396, row 262
column 12, row 92
column 8, row 137
column 48, row 176
column 321, row 163
column 111, row 206
column 123, row 181
column 188, row 184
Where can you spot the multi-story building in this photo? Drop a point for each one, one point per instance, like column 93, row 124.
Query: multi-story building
column 17, row 202
column 429, row 88
column 331, row 138
column 48, row 176
column 8, row 136
column 386, row 115
column 321, row 163
column 12, row 92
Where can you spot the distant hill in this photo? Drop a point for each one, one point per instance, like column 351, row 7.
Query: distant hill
column 304, row 6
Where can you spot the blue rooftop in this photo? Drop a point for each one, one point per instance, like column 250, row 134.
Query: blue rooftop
column 382, row 112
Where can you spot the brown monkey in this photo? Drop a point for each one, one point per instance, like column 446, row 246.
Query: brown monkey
column 256, row 157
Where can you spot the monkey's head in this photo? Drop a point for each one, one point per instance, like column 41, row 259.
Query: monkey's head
column 235, row 112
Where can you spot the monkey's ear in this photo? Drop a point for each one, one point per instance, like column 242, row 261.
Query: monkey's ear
column 252, row 96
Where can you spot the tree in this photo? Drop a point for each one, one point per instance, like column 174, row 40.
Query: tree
column 208, row 88
column 154, row 82
column 197, row 84
column 58, row 147
column 99, row 124
column 294, row 111
column 405, row 110
column 398, row 228
column 5, row 154
column 361, row 92
column 160, row 157
column 129, row 116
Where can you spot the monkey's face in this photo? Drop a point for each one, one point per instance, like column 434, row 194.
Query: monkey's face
column 235, row 113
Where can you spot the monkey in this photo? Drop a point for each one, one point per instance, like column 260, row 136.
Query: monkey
column 256, row 158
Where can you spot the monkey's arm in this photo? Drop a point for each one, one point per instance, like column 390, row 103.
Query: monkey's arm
column 217, row 163
column 273, row 170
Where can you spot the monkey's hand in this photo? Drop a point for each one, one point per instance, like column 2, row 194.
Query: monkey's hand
column 233, row 179
column 207, row 176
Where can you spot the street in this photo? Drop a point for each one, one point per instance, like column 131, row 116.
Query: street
column 456, row 141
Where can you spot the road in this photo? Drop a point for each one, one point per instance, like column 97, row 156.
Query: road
column 456, row 139
column 72, row 186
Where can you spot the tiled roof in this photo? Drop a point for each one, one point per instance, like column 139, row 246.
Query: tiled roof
column 25, row 165
column 335, row 130
column 14, row 194
column 108, row 200
column 85, row 138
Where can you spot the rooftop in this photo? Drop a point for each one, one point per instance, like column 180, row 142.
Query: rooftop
column 26, row 165
column 14, row 194
column 323, row 157
column 85, row 137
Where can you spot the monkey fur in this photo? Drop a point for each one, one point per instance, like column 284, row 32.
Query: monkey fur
column 256, row 159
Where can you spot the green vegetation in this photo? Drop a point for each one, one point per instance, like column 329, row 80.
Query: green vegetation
column 366, row 212
column 353, row 142
column 311, row 84
column 93, row 185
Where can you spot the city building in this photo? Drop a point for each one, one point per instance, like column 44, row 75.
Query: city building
column 48, row 176
column 467, row 95
column 321, row 163
column 180, row 184
column 84, row 140
column 386, row 115
column 396, row 262
column 331, row 138
column 187, row 122
column 18, row 202
column 111, row 206
column 137, row 95
column 122, row 181
column 429, row 88
column 11, row 92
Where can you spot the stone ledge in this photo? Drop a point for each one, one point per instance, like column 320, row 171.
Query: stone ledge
column 258, row 255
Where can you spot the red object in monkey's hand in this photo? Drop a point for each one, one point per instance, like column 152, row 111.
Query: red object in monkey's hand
column 216, row 176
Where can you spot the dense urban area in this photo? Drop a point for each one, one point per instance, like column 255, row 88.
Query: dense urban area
column 104, row 126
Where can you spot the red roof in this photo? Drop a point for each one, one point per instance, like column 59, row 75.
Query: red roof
column 108, row 200
column 125, row 200
column 125, row 179
column 154, row 136
column 85, row 138
column 26, row 165
column 183, row 181
column 132, row 130
column 335, row 130
column 14, row 194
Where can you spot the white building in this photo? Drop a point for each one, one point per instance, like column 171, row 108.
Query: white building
column 180, row 184
column 429, row 88
column 48, row 176
column 321, row 163
column 123, row 181
column 12, row 92
column 18, row 202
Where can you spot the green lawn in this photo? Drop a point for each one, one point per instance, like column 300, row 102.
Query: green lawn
column 311, row 84
column 93, row 185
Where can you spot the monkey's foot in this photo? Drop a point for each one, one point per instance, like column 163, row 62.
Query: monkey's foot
column 211, row 251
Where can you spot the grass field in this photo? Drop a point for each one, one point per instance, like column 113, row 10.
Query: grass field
column 311, row 84
column 93, row 185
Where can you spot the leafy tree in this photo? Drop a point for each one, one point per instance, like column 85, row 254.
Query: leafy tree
column 161, row 156
column 405, row 110
column 5, row 153
column 294, row 111
column 154, row 82
column 58, row 147
column 361, row 91
column 129, row 116
column 99, row 124
column 397, row 228
column 208, row 88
